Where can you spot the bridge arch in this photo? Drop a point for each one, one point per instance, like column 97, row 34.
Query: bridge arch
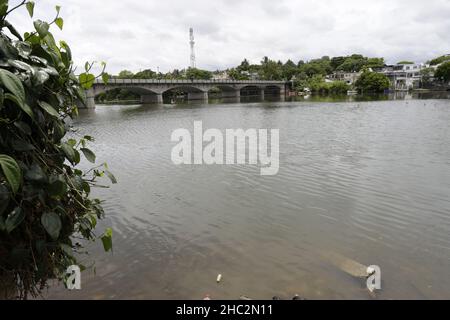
column 185, row 88
column 141, row 90
column 191, row 92
column 141, row 93
column 272, row 90
column 224, row 91
column 251, row 90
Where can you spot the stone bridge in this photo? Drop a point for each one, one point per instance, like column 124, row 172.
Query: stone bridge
column 152, row 90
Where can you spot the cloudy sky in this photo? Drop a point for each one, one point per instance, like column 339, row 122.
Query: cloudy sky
column 138, row 34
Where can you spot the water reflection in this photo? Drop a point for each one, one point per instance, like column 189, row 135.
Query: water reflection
column 399, row 95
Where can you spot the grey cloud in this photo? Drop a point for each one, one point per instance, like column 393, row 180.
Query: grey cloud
column 136, row 34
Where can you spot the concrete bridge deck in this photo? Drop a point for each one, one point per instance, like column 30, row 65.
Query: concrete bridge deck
column 152, row 90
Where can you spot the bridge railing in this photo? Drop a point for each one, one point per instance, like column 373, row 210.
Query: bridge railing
column 168, row 81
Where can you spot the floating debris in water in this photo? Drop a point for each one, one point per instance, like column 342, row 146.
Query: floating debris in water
column 347, row 265
column 219, row 278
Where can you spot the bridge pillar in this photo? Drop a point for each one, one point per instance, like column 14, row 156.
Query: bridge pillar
column 152, row 98
column 198, row 95
column 89, row 96
column 90, row 102
column 261, row 94
column 282, row 94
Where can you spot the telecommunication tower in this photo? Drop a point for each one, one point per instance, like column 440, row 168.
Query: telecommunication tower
column 192, row 42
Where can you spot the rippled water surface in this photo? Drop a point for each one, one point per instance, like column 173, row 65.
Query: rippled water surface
column 369, row 181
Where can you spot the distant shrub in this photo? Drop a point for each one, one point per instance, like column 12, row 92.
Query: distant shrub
column 372, row 82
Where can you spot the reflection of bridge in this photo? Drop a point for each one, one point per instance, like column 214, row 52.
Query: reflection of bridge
column 151, row 90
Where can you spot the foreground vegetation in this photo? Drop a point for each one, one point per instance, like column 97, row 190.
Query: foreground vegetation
column 44, row 196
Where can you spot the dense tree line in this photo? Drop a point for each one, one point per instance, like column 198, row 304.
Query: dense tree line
column 303, row 74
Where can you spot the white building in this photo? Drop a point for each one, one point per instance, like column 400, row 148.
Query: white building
column 251, row 75
column 404, row 76
column 347, row 77
column 221, row 75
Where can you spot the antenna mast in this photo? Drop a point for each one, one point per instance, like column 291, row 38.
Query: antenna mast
column 192, row 42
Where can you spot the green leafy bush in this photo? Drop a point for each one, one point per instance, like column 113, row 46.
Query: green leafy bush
column 318, row 85
column 372, row 82
column 443, row 72
column 44, row 197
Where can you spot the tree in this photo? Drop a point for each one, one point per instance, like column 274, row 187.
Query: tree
column 375, row 63
column 244, row 66
column 194, row 73
column 174, row 74
column 270, row 70
column 427, row 75
column 289, row 69
column 439, row 60
column 353, row 64
column 405, row 62
column 443, row 72
column 235, row 74
column 144, row 74
column 372, row 82
column 356, row 62
column 316, row 83
column 44, row 196
column 338, row 87
column 125, row 74
column 336, row 62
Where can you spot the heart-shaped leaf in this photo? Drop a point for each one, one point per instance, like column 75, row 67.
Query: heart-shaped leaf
column 48, row 108
column 22, row 146
column 105, row 78
column 14, row 219
column 20, row 103
column 24, row 127
column 12, row 172
column 30, row 8
column 88, row 154
column 111, row 176
column 107, row 239
column 69, row 151
column 36, row 174
column 57, row 187
column 59, row 22
column 3, row 8
column 52, row 224
column 41, row 27
column 86, row 80
column 12, row 83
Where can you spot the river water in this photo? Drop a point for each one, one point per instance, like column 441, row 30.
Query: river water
column 365, row 180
